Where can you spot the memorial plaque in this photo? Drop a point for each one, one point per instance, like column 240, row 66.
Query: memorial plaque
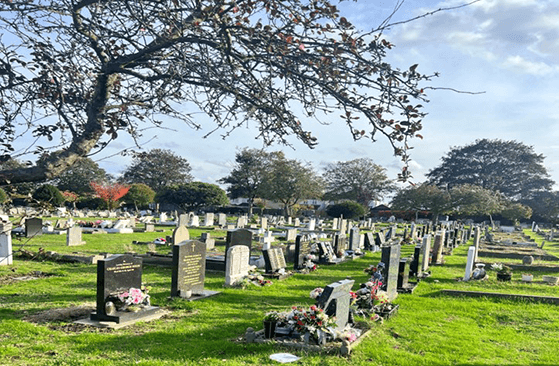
column 335, row 300
column 33, row 227
column 189, row 268
column 303, row 248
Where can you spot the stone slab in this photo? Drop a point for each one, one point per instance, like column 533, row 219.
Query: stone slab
column 114, row 325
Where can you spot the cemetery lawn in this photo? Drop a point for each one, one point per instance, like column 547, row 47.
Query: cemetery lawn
column 431, row 328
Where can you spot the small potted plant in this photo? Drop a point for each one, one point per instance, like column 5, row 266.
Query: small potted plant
column 504, row 273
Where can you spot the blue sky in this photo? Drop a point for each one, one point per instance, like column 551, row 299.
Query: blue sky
column 507, row 49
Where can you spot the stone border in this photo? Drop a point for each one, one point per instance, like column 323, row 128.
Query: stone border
column 332, row 347
column 536, row 298
column 114, row 325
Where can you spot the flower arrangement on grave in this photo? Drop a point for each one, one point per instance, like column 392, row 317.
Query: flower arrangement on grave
column 309, row 262
column 375, row 271
column 501, row 268
column 315, row 294
column 132, row 299
column 504, row 273
column 254, row 278
column 312, row 320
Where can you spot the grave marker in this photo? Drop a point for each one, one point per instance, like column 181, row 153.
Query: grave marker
column 237, row 264
column 391, row 258
column 335, row 300
column 303, row 248
column 33, row 227
column 180, row 234
column 74, row 236
column 6, row 254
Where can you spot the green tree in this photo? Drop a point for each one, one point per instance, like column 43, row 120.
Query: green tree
column 516, row 211
column 17, row 189
column 193, row 195
column 510, row 167
column 290, row 181
column 248, row 175
column 423, row 197
column 545, row 206
column 91, row 71
column 140, row 195
column 360, row 180
column 470, row 200
column 349, row 210
column 77, row 178
column 49, row 194
column 158, row 168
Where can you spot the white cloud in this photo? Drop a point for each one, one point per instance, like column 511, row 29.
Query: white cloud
column 521, row 65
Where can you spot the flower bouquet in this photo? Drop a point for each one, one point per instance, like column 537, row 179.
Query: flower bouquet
column 312, row 323
column 133, row 299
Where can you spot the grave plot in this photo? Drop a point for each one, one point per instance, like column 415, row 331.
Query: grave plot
column 121, row 300
column 328, row 326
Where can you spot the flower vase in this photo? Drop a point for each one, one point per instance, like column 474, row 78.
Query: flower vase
column 269, row 329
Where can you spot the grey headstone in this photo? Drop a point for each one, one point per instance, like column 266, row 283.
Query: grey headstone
column 335, row 300
column 237, row 264
column 274, row 260
column 33, row 227
column 74, row 236
column 303, row 248
column 180, row 234
column 391, row 258
column 6, row 254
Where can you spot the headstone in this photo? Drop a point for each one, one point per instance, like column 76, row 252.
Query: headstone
column 237, row 264
column 222, row 220
column 189, row 268
column 343, row 226
column 6, row 254
column 303, row 248
column 312, row 224
column 274, row 260
column 369, row 241
column 438, row 249
column 182, row 220
column 340, row 244
column 354, row 239
column 403, row 273
column 335, row 300
column 297, row 222
column 194, row 220
column 414, row 264
column 380, row 238
column 209, row 219
column 264, row 223
column 470, row 263
column 33, row 227
column 149, row 228
column 335, row 223
column 74, row 236
column 290, row 234
column 117, row 273
column 391, row 258
column 238, row 237
column 477, row 238
column 326, row 252
column 162, row 218
column 180, row 234
column 206, row 239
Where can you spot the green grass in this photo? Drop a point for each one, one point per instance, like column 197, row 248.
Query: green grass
column 430, row 328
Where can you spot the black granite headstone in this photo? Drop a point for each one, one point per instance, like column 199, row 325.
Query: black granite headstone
column 303, row 248
column 189, row 269
column 335, row 300
column 369, row 241
column 414, row 265
column 354, row 239
column 115, row 274
column 403, row 273
column 380, row 238
column 340, row 243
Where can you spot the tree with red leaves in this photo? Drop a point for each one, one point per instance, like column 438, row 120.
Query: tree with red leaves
column 110, row 193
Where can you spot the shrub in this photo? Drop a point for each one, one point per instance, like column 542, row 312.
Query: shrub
column 49, row 194
column 3, row 196
column 349, row 210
